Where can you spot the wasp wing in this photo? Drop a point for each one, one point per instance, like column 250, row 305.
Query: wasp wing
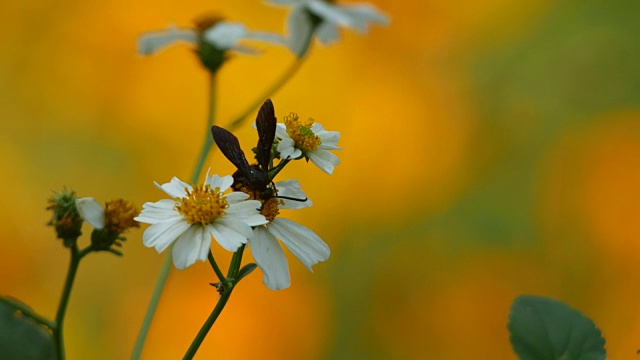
column 230, row 147
column 266, row 124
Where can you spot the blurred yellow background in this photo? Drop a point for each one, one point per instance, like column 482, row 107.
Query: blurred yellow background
column 491, row 149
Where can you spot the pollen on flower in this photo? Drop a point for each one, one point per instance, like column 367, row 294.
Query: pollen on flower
column 202, row 205
column 301, row 133
column 270, row 209
column 119, row 214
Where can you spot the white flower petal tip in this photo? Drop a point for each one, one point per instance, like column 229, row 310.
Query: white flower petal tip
column 300, row 25
column 227, row 35
column 91, row 211
column 301, row 241
column 270, row 258
column 152, row 42
column 191, row 221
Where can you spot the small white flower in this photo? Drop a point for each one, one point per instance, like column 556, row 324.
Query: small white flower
column 195, row 214
column 300, row 24
column 309, row 139
column 301, row 241
column 222, row 35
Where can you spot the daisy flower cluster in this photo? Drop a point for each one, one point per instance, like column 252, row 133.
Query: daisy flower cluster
column 244, row 208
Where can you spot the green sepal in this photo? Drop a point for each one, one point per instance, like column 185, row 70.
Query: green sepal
column 542, row 328
column 246, row 270
column 210, row 57
column 22, row 337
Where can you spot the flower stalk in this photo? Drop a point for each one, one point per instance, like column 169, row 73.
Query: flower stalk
column 74, row 262
column 231, row 281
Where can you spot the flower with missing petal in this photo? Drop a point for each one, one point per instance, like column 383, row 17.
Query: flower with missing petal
column 195, row 214
column 308, row 139
column 212, row 38
column 109, row 221
column 302, row 242
column 323, row 17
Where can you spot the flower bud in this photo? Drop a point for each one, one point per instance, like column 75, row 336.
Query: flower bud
column 66, row 219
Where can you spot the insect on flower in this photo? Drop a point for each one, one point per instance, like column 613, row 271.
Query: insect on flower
column 252, row 178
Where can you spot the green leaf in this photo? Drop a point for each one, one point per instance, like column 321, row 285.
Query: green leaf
column 246, row 270
column 547, row 329
column 21, row 337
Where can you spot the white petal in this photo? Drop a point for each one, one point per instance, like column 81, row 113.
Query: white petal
column 162, row 234
column 281, row 131
column 244, row 50
column 216, row 181
column 225, row 35
column 286, row 148
column 236, row 197
column 302, row 242
column 270, row 258
column 327, row 32
column 188, row 247
column 91, row 211
column 152, row 42
column 366, row 12
column 329, row 140
column 300, row 30
column 324, row 160
column 243, row 208
column 174, row 188
column 230, row 233
column 291, row 188
column 266, row 37
column 156, row 212
column 332, row 13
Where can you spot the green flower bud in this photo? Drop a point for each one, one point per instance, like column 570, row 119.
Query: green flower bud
column 66, row 219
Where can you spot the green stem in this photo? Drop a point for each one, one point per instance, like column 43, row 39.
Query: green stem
column 215, row 267
column 76, row 256
column 27, row 311
column 229, row 285
column 204, row 330
column 166, row 265
column 283, row 79
column 273, row 172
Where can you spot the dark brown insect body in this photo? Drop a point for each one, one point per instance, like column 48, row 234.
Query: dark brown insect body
column 251, row 177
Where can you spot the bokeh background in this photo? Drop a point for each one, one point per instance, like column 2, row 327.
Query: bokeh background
column 491, row 149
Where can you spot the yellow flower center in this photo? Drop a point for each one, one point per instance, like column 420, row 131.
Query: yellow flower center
column 202, row 205
column 301, row 133
column 119, row 214
column 269, row 208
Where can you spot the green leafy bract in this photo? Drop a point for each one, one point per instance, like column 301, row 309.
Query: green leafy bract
column 547, row 329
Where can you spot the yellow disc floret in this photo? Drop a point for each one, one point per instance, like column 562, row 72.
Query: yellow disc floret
column 202, row 205
column 119, row 214
column 301, row 133
column 270, row 209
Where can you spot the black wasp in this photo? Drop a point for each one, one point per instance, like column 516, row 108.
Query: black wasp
column 252, row 177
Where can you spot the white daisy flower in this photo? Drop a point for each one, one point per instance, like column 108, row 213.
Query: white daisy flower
column 302, row 242
column 324, row 17
column 109, row 221
column 222, row 35
column 195, row 214
column 309, row 139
